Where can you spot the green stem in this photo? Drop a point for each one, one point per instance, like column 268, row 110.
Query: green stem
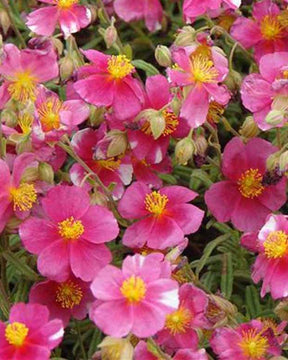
column 80, row 340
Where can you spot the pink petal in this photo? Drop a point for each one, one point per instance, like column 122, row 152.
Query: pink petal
column 107, row 283
column 158, row 91
column 246, row 31
column 271, row 64
column 132, row 204
column 138, row 233
column 234, row 159
column 188, row 217
column 274, row 196
column 178, row 194
column 129, row 10
column 43, row 21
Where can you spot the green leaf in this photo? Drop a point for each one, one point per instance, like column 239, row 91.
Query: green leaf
column 227, row 276
column 20, row 265
column 252, row 301
column 148, row 68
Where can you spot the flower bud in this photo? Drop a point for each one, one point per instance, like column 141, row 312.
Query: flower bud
column 4, row 21
column 110, row 36
column 275, row 117
column 201, row 145
column 283, row 161
column 163, row 56
column 185, row 36
column 96, row 116
column 281, row 310
column 118, row 143
column 249, row 128
column 233, row 81
column 219, row 311
column 46, row 173
column 154, row 122
column 184, row 150
column 66, row 67
column 58, row 45
column 116, row 349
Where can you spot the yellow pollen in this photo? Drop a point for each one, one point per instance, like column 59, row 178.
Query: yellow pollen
column 271, row 28
column 25, row 122
column 202, row 69
column 253, row 345
column 250, row 183
column 283, row 18
column 68, row 294
column 66, row 4
column 171, row 121
column 215, row 112
column 133, row 289
column 155, row 203
column 49, row 114
column 23, row 197
column 23, row 88
column 119, row 66
column 110, row 164
column 70, row 229
column 276, row 244
column 178, row 322
column 16, row 334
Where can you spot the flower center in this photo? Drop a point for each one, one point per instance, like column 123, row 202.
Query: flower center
column 253, row 344
column 25, row 122
column 215, row 112
column 109, row 164
column 202, row 69
column 66, row 4
column 271, row 28
column 16, row 333
column 250, row 183
column 276, row 244
column 133, row 289
column 178, row 321
column 119, row 66
column 70, row 229
column 49, row 114
column 155, row 203
column 69, row 294
column 171, row 123
column 23, row 88
column 23, row 197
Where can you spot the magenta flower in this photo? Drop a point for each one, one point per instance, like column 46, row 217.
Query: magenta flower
column 164, row 215
column 69, row 14
column 64, row 300
column 109, row 82
column 272, row 261
column 149, row 10
column 71, row 235
column 29, row 334
column 243, row 198
column 264, row 32
column 262, row 93
column 250, row 341
column 135, row 299
column 199, row 70
column 23, row 71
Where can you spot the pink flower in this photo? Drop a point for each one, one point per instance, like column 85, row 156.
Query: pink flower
column 272, row 262
column 64, row 299
column 248, row 341
column 200, row 69
column 265, row 32
column 266, row 93
column 70, row 15
column 29, row 334
column 180, row 325
column 149, row 10
column 23, row 71
column 135, row 299
column 165, row 217
column 70, row 236
column 109, row 82
column 243, row 198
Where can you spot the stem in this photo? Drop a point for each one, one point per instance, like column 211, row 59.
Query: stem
column 80, row 340
column 231, row 56
column 216, row 145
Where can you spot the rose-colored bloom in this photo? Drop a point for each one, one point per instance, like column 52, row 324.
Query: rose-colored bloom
column 180, row 325
column 23, row 71
column 149, row 10
column 243, row 198
column 262, row 93
column 70, row 236
column 64, row 299
column 16, row 196
column 264, row 32
column 272, row 262
column 250, row 341
column 109, row 82
column 135, row 299
column 69, row 14
column 29, row 334
column 201, row 69
column 165, row 217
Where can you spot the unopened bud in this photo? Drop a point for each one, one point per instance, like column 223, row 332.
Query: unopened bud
column 281, row 310
column 154, row 122
column 219, row 311
column 118, row 143
column 116, row 349
column 272, row 161
column 5, row 22
column 58, row 45
column 96, row 116
column 233, row 80
column 110, row 36
column 185, row 36
column 249, row 128
column 283, row 161
column 46, row 173
column 163, row 56
column 93, row 12
column 201, row 145
column 184, row 150
column 66, row 67
column 275, row 117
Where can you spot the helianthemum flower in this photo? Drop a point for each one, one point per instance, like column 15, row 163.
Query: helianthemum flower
column 71, row 235
column 165, row 217
column 69, row 14
column 29, row 334
column 135, row 299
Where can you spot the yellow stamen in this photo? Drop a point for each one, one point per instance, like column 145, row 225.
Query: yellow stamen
column 69, row 294
column 23, row 88
column 178, row 322
column 171, row 123
column 66, row 4
column 253, row 345
column 276, row 244
column 109, row 164
column 202, row 68
column 49, row 114
column 215, row 112
column 16, row 334
column 70, row 229
column 250, row 183
column 25, row 122
column 119, row 66
column 271, row 28
column 283, row 18
column 155, row 203
column 23, row 197
column 133, row 289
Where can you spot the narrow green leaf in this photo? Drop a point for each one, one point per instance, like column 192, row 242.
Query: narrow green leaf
column 20, row 265
column 252, row 301
column 227, row 276
column 148, row 68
